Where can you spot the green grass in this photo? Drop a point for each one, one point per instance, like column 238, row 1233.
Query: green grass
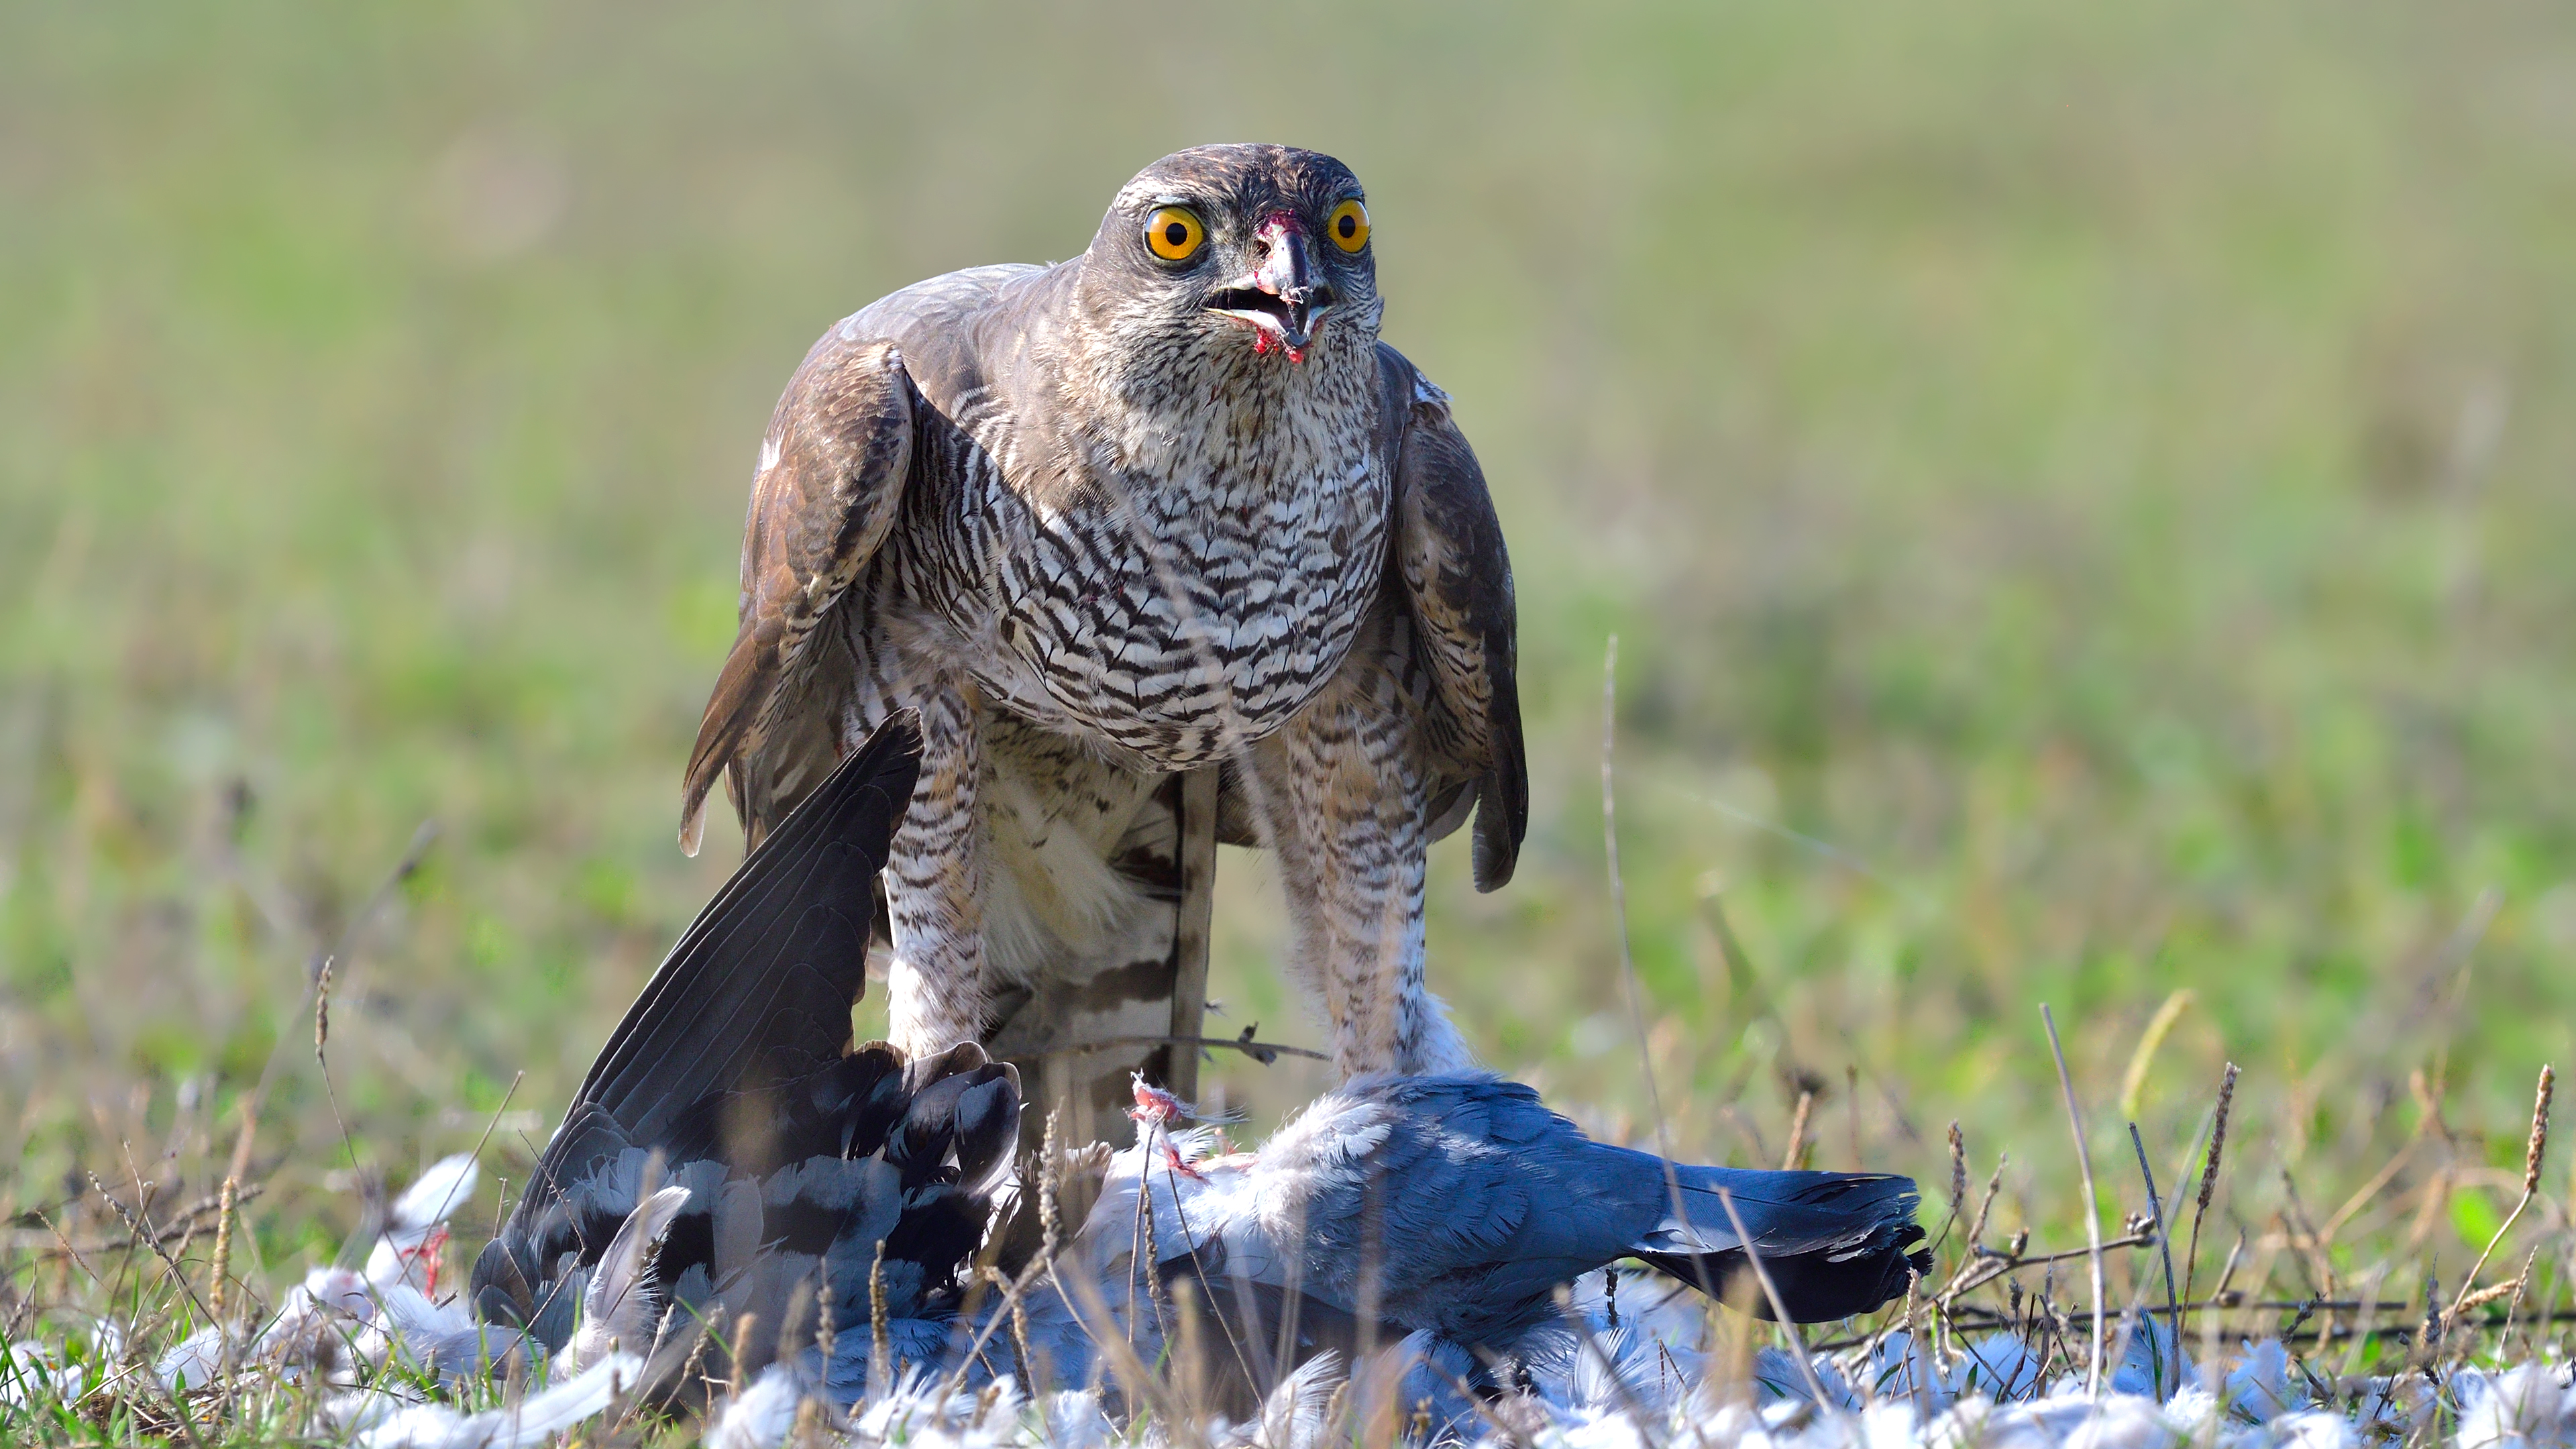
column 2083, row 495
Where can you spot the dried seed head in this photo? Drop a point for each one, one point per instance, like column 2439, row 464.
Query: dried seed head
column 1986, row 1205
column 2217, row 1136
column 223, row 1264
column 823, row 1328
column 2539, row 1144
column 1152, row 1266
column 880, row 1358
column 1798, row 1131
column 322, row 1008
column 1050, row 1214
column 2491, row 1294
column 2429, row 1341
column 1958, row 1170
column 1020, row 1345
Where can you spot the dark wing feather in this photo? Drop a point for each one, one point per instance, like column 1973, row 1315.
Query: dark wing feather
column 732, row 1059
column 1458, row 579
column 729, row 1079
column 758, row 988
column 831, row 480
column 770, row 967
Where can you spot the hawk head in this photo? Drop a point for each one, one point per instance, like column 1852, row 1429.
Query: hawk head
column 1259, row 251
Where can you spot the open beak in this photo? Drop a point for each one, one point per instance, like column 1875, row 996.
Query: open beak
column 1284, row 298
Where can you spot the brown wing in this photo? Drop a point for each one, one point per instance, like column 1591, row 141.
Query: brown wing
column 831, row 477
column 1449, row 550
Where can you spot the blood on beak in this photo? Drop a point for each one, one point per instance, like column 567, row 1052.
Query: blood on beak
column 1285, row 298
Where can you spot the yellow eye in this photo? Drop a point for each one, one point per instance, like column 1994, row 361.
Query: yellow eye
column 1349, row 225
column 1174, row 233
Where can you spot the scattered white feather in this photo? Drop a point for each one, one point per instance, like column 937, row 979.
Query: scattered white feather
column 37, row 1372
column 1640, row 1385
column 444, row 1187
column 760, row 1415
column 2532, row 1404
column 416, row 1224
column 1293, row 1416
column 618, row 1306
column 535, row 1419
column 193, row 1362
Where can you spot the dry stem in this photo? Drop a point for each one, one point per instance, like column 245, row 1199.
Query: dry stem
column 2092, row 1201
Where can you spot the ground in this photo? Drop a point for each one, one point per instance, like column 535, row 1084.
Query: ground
column 2081, row 493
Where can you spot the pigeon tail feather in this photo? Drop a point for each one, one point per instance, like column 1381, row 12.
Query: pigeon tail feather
column 1834, row 1244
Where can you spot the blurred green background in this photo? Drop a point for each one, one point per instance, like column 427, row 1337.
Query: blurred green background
column 2083, row 492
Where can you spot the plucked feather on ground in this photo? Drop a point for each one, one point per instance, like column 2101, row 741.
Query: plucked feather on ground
column 814, row 1243
column 1653, row 1379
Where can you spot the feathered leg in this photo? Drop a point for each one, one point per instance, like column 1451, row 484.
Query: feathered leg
column 1343, row 788
column 936, row 992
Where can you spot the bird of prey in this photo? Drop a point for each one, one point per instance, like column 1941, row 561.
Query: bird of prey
column 1166, row 547
column 731, row 1156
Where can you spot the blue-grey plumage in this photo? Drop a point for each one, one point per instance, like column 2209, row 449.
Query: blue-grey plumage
column 1430, row 1217
column 1456, row 1204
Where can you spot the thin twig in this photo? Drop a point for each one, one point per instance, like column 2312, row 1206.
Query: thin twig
column 1771, row 1291
column 2022, row 1260
column 2092, row 1203
column 1987, row 1265
column 178, row 1225
column 1798, row 1131
column 2134, row 1082
column 1974, row 1249
column 2521, row 1282
column 2164, row 1244
column 1627, row 961
column 1011, row 1289
column 1190, row 1247
column 2533, row 1150
column 422, row 837
column 1584, row 1340
column 321, row 1044
column 515, row 1079
column 147, row 1237
column 1260, row 1051
column 1851, row 1105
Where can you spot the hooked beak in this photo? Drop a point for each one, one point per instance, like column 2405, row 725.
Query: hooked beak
column 1284, row 299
